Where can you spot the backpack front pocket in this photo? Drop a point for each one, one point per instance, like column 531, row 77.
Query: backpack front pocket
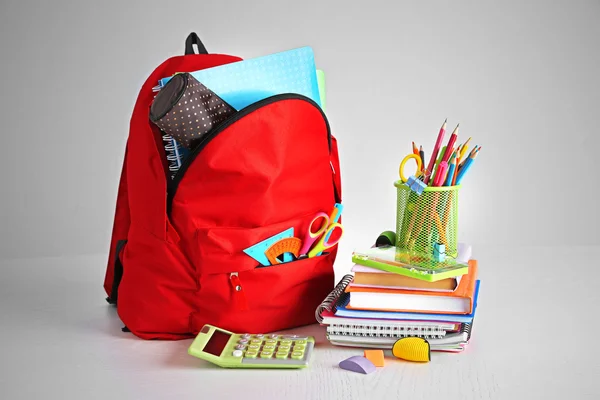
column 238, row 293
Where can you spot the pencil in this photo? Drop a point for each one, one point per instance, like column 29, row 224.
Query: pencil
column 434, row 153
column 459, row 152
column 422, row 155
column 415, row 150
column 450, row 145
column 465, row 146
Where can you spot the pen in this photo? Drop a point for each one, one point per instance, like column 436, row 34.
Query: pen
column 436, row 149
column 422, row 155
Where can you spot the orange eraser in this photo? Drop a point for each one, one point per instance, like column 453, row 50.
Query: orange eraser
column 375, row 356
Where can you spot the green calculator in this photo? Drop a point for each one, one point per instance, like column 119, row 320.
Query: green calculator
column 233, row 350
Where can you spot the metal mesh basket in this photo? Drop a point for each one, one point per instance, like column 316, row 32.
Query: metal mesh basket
column 422, row 221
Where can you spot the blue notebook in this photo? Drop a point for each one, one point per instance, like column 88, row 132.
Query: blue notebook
column 245, row 82
column 342, row 311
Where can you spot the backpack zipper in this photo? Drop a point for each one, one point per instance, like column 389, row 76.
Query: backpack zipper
column 173, row 184
column 239, row 297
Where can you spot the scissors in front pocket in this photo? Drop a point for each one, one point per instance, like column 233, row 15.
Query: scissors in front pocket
column 327, row 235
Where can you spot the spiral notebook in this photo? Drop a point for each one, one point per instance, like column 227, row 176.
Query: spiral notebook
column 369, row 331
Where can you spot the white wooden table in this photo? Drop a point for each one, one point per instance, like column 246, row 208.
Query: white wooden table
column 534, row 337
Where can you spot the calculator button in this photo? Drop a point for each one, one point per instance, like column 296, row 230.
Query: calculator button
column 240, row 346
column 299, row 347
column 246, row 336
column 251, row 354
column 266, row 354
column 297, row 355
column 281, row 354
column 256, row 341
column 237, row 353
column 294, row 337
column 243, row 341
column 254, row 347
column 269, row 347
column 286, row 342
column 273, row 336
column 259, row 335
column 284, row 347
column 302, row 341
column 270, row 341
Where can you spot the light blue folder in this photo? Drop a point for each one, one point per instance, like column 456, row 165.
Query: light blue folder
column 245, row 82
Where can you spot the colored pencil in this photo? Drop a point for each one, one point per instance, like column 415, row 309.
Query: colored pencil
column 451, row 169
column 415, row 150
column 465, row 146
column 450, row 144
column 436, row 149
column 422, row 155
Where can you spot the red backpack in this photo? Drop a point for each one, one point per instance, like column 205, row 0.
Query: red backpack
column 176, row 259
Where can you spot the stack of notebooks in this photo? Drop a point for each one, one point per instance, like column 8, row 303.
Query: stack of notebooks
column 385, row 301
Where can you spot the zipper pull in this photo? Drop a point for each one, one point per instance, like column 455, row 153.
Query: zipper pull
column 239, row 296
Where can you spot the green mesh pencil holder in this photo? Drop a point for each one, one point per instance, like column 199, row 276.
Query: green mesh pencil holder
column 425, row 222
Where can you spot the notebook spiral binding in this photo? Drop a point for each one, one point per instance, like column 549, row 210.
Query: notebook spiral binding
column 466, row 328
column 173, row 150
column 330, row 301
column 427, row 332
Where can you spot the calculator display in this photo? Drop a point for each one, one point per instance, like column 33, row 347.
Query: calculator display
column 217, row 343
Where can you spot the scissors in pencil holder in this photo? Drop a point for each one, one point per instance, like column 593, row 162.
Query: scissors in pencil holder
column 322, row 231
column 406, row 159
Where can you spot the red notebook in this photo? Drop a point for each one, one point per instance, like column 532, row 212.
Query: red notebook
column 400, row 300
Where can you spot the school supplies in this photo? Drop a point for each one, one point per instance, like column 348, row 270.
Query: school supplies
column 397, row 260
column 245, row 82
column 375, row 356
column 445, row 164
column 232, row 350
column 174, row 152
column 451, row 171
column 258, row 251
column 287, row 245
column 412, row 349
column 322, row 235
column 441, row 173
column 464, row 148
column 415, row 184
column 436, row 149
column 450, row 144
column 358, row 364
column 187, row 110
column 409, row 157
column 373, row 277
column 380, row 329
column 322, row 90
column 334, row 217
column 458, row 302
column 469, row 161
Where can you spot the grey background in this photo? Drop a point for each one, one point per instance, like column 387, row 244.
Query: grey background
column 521, row 78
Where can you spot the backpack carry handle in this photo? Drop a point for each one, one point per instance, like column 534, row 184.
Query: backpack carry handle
column 192, row 40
